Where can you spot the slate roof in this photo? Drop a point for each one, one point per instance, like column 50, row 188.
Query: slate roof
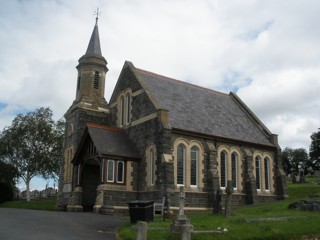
column 112, row 141
column 94, row 43
column 202, row 110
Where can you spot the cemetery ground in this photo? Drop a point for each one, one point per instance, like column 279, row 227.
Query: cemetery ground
column 264, row 221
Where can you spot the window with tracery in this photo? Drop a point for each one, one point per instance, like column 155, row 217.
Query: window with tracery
column 258, row 172
column 124, row 108
column 234, row 170
column 266, row 174
column 110, row 171
column 152, row 167
column 128, row 108
column 120, row 172
column 194, row 166
column 122, row 111
column 223, row 169
column 115, row 171
column 181, row 155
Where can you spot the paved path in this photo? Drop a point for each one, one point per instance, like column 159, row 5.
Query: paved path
column 21, row 224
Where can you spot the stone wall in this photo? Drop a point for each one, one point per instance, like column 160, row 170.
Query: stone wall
column 118, row 198
column 247, row 192
column 76, row 122
column 142, row 133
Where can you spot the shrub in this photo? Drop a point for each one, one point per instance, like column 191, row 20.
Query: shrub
column 6, row 192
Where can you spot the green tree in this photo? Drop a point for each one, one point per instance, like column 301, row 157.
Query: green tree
column 294, row 160
column 33, row 144
column 8, row 176
column 314, row 150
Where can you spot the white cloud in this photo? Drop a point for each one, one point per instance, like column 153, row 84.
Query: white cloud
column 267, row 51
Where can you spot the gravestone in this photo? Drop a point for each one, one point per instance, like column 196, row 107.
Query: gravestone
column 217, row 208
column 306, row 205
column 182, row 224
column 229, row 191
column 142, row 231
column 166, row 207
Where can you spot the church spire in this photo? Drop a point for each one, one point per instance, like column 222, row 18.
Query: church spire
column 94, row 43
column 92, row 70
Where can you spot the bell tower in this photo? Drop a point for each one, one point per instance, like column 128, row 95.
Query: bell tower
column 89, row 106
column 92, row 70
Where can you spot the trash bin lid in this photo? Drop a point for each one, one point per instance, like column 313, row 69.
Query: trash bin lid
column 141, row 203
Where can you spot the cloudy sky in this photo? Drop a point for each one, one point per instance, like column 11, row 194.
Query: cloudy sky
column 266, row 51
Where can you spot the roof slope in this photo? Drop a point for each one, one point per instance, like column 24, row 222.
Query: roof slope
column 202, row 110
column 111, row 141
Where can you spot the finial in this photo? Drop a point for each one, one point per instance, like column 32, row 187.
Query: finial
column 97, row 13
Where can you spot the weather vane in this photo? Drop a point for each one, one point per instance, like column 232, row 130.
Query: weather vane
column 97, row 13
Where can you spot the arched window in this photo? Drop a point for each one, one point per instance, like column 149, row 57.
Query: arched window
column 234, row 170
column 124, row 108
column 68, row 165
column 110, row 171
column 266, row 174
column 79, row 81
column 194, row 166
column 181, row 155
column 96, row 80
column 223, row 169
column 120, row 172
column 258, row 172
column 128, row 110
column 152, row 167
column 121, row 111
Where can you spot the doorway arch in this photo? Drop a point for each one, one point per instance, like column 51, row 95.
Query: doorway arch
column 90, row 181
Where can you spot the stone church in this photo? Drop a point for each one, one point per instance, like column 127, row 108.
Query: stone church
column 157, row 134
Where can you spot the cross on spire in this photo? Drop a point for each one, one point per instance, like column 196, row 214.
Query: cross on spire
column 97, row 13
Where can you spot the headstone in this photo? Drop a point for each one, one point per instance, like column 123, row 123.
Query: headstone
column 229, row 191
column 142, row 231
column 181, row 203
column 182, row 224
column 166, row 208
column 186, row 232
column 217, row 202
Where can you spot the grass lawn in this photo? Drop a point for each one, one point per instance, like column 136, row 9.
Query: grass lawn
column 297, row 224
column 48, row 204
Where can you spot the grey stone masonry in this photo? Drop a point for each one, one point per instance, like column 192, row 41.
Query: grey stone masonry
column 281, row 180
column 142, row 127
column 214, row 177
column 250, row 181
column 75, row 201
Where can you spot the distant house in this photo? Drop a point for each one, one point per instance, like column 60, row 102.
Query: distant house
column 23, row 194
column 157, row 134
column 33, row 194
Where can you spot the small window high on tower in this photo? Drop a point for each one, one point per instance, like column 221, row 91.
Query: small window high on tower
column 78, row 84
column 96, row 80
